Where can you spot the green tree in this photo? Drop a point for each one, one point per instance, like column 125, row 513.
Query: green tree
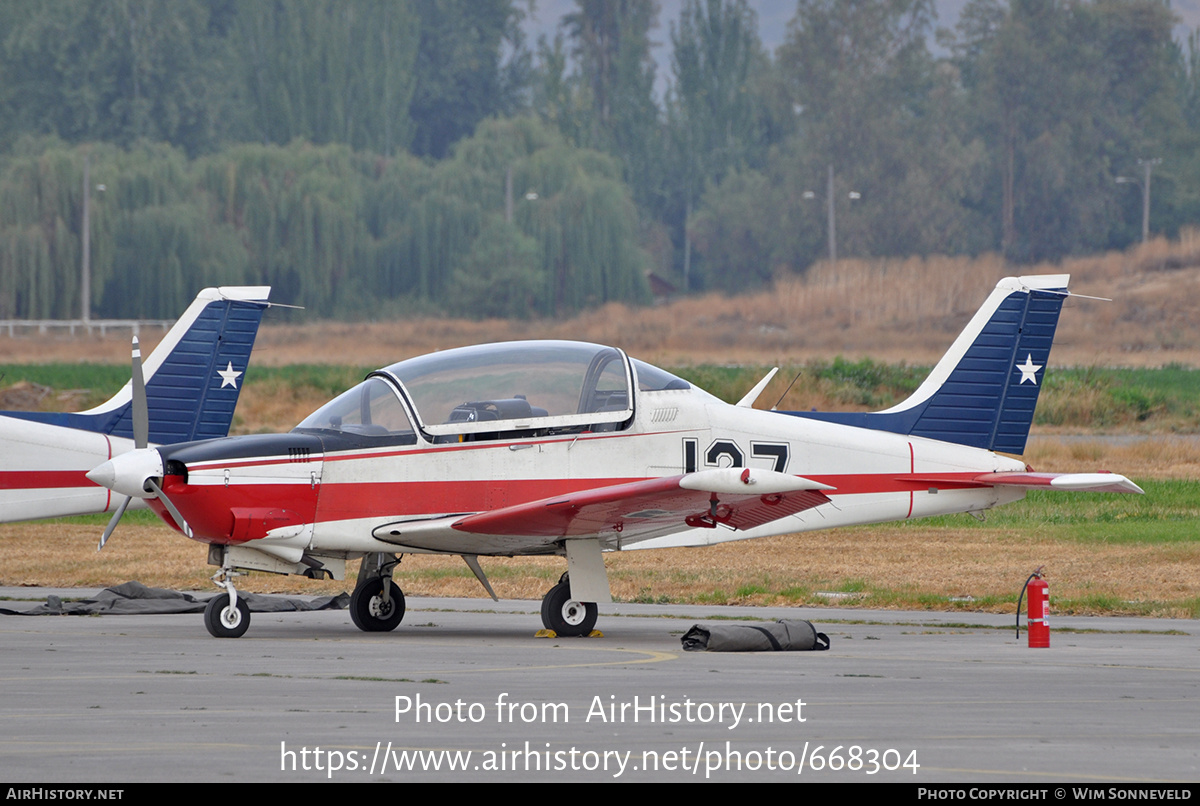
column 712, row 114
column 557, row 95
column 299, row 210
column 1183, row 147
column 462, row 75
column 611, row 45
column 118, row 71
column 738, row 234
column 872, row 108
column 1067, row 95
column 852, row 66
column 329, row 72
column 501, row 277
column 715, row 48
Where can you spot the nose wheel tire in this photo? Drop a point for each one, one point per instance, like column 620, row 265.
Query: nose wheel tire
column 224, row 621
column 566, row 616
column 370, row 612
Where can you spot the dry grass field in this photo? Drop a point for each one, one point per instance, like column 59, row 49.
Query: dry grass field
column 913, row 567
column 889, row 310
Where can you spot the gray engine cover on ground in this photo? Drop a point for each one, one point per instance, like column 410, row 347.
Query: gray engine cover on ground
column 781, row 636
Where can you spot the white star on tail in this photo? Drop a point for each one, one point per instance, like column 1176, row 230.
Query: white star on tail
column 1029, row 370
column 229, row 376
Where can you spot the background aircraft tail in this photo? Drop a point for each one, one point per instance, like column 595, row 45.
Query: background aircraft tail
column 193, row 377
column 984, row 390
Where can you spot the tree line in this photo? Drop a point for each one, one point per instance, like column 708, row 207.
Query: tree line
column 369, row 157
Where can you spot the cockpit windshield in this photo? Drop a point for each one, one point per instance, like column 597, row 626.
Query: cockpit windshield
column 653, row 379
column 371, row 411
column 536, row 386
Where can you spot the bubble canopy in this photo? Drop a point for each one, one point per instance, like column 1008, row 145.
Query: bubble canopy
column 517, row 385
column 526, row 386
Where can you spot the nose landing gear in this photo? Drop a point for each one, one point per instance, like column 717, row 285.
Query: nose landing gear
column 225, row 619
column 225, row 615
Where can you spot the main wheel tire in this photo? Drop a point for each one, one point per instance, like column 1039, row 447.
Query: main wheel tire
column 224, row 621
column 369, row 611
column 566, row 616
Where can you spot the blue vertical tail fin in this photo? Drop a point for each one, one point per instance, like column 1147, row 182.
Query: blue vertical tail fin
column 193, row 377
column 984, row 390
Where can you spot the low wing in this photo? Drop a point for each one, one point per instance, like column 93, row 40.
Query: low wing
column 735, row 498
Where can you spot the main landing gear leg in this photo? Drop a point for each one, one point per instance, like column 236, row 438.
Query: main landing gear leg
column 225, row 615
column 566, row 616
column 377, row 604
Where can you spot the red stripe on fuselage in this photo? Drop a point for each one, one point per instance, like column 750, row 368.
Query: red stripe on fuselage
column 912, row 468
column 108, row 498
column 44, row 479
column 207, row 507
column 398, row 499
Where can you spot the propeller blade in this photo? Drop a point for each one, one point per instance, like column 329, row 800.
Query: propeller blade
column 141, row 411
column 112, row 524
column 141, row 429
column 179, row 521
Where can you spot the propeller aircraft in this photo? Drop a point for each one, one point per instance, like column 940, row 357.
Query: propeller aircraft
column 193, row 380
column 572, row 449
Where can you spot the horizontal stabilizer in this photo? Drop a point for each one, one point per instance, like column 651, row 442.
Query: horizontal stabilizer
column 1079, row 482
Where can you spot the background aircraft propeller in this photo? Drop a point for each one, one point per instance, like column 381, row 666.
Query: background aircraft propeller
column 141, row 438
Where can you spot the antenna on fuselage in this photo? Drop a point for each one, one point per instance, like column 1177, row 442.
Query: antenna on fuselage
column 789, row 388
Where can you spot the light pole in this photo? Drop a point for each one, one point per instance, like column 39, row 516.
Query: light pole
column 831, row 215
column 86, row 269
column 1144, row 184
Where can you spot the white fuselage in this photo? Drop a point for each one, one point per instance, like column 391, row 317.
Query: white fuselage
column 876, row 476
column 44, row 470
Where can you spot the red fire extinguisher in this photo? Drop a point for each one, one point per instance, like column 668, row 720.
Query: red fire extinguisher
column 1039, row 611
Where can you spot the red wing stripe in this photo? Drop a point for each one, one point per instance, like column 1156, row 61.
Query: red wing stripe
column 637, row 508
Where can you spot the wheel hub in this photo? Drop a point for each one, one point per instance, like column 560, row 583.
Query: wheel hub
column 379, row 608
column 231, row 617
column 574, row 613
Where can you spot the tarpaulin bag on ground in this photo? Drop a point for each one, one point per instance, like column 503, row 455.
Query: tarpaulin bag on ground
column 134, row 598
column 782, row 636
